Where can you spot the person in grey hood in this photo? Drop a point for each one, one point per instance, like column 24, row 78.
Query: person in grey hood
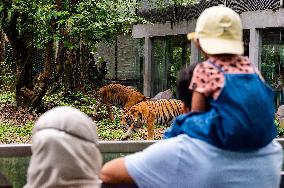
column 64, row 151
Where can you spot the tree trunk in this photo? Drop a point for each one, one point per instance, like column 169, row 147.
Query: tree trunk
column 22, row 48
column 68, row 72
column 29, row 91
column 84, row 63
column 43, row 79
column 24, row 85
column 2, row 46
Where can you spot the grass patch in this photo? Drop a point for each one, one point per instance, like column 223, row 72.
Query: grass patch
column 82, row 101
column 16, row 125
column 113, row 130
column 280, row 128
column 7, row 97
column 10, row 133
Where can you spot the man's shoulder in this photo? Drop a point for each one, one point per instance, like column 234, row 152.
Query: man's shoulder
column 174, row 148
column 186, row 145
column 156, row 165
column 168, row 145
column 166, row 149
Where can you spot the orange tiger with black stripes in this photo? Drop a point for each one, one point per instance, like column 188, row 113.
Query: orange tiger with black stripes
column 119, row 95
column 161, row 111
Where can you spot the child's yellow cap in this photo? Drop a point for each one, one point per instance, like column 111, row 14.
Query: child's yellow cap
column 219, row 31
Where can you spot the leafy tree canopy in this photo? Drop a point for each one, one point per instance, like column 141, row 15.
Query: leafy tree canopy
column 90, row 20
column 65, row 29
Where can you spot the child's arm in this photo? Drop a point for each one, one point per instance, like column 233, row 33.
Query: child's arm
column 198, row 103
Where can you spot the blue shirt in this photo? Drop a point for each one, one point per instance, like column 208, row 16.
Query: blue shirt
column 186, row 162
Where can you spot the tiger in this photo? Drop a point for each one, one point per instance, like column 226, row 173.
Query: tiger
column 161, row 111
column 119, row 95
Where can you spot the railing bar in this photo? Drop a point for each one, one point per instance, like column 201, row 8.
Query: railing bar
column 24, row 150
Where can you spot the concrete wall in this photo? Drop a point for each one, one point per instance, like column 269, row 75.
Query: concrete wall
column 128, row 51
column 254, row 21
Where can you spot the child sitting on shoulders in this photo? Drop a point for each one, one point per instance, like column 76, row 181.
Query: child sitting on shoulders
column 241, row 110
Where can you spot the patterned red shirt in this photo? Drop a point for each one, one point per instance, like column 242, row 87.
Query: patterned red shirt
column 208, row 80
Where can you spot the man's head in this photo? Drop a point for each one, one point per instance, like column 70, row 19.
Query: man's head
column 219, row 31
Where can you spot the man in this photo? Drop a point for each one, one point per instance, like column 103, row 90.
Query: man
column 186, row 161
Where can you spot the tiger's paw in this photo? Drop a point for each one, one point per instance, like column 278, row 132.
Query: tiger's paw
column 124, row 137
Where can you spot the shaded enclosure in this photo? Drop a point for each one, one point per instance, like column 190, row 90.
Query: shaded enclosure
column 124, row 59
column 262, row 23
column 272, row 61
column 169, row 54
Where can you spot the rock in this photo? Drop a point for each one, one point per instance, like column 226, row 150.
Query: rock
column 168, row 94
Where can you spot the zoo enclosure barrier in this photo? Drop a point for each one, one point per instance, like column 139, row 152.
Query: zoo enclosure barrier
column 14, row 160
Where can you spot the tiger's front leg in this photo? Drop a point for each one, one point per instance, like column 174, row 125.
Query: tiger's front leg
column 132, row 129
column 128, row 134
column 150, row 130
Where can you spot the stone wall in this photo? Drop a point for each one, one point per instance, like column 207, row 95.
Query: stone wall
column 125, row 60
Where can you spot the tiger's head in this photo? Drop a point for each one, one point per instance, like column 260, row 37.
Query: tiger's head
column 107, row 95
column 104, row 92
column 131, row 118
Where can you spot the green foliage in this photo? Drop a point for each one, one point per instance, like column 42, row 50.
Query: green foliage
column 15, row 169
column 280, row 129
column 109, row 130
column 14, row 131
column 26, row 130
column 103, row 20
column 83, row 101
column 74, row 27
column 90, row 21
column 270, row 62
column 175, row 66
column 10, row 133
column 113, row 130
column 7, row 97
column 7, row 82
column 185, row 2
column 7, row 77
column 102, row 112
